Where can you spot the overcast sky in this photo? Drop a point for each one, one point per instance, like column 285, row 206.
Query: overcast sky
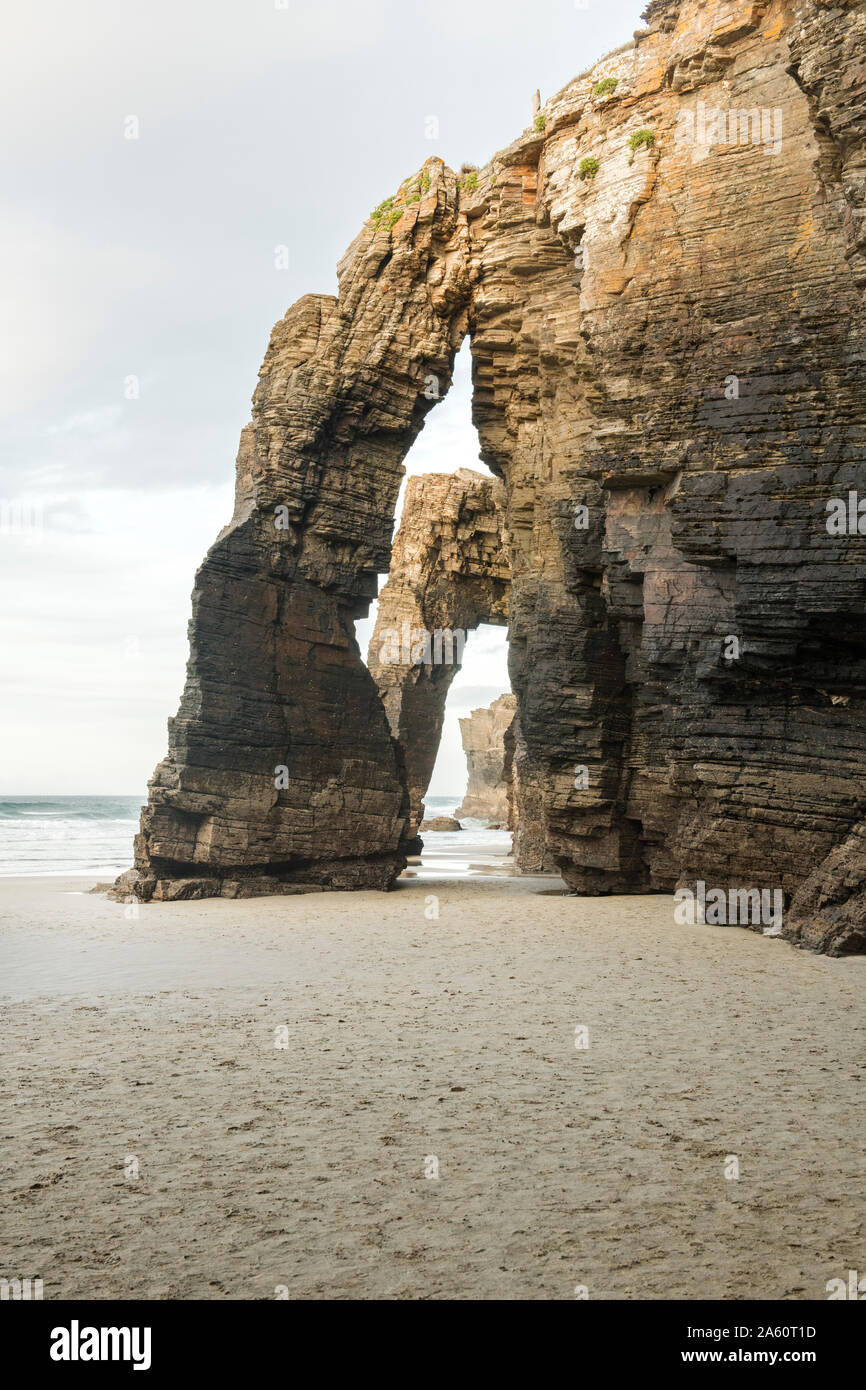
column 153, row 259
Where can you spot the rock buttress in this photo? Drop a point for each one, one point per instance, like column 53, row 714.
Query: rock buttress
column 281, row 773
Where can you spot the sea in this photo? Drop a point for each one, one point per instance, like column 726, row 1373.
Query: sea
column 460, row 853
column 92, row 836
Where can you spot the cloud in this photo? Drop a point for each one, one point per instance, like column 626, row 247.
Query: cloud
column 154, row 258
column 56, row 287
column 95, row 638
column 472, row 697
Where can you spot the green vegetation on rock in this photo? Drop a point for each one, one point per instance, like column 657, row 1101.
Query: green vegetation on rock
column 588, row 167
column 386, row 212
column 640, row 137
column 385, row 206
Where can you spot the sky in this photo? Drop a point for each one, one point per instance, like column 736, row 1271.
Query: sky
column 155, row 157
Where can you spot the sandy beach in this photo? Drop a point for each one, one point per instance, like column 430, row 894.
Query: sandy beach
column 282, row 1072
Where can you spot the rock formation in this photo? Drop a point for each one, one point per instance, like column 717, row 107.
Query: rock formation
column 483, row 737
column 449, row 572
column 829, row 908
column 281, row 772
column 662, row 281
column 531, row 851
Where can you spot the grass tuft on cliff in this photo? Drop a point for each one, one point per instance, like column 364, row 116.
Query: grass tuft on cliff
column 588, row 167
column 540, row 121
column 640, row 137
column 379, row 212
column 605, row 87
column 386, row 212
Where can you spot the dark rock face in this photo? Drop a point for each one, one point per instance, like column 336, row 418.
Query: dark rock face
column 281, row 771
column 526, row 816
column 664, row 295
column 697, row 390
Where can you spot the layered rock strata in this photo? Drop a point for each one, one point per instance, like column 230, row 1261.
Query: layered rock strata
column 449, row 572
column 671, row 410
column 526, row 818
column 663, row 283
column 482, row 734
column 281, row 772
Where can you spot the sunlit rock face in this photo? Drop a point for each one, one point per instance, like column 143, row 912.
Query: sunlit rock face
column 449, row 572
column 663, row 289
column 482, row 734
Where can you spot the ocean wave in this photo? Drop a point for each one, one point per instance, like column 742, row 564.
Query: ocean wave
column 72, row 808
column 67, row 834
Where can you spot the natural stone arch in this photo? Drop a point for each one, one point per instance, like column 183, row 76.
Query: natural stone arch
column 275, row 679
column 449, row 572
column 600, row 386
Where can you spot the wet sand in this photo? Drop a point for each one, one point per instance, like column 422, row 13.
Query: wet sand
column 146, row 1043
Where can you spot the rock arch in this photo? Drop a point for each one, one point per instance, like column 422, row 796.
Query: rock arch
column 614, row 296
column 449, row 572
column 274, row 679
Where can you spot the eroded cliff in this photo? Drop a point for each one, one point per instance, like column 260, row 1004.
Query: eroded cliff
column 663, row 288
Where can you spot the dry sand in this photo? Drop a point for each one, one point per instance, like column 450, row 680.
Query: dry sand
column 304, row 1166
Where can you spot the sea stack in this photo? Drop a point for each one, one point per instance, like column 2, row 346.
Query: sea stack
column 483, row 736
